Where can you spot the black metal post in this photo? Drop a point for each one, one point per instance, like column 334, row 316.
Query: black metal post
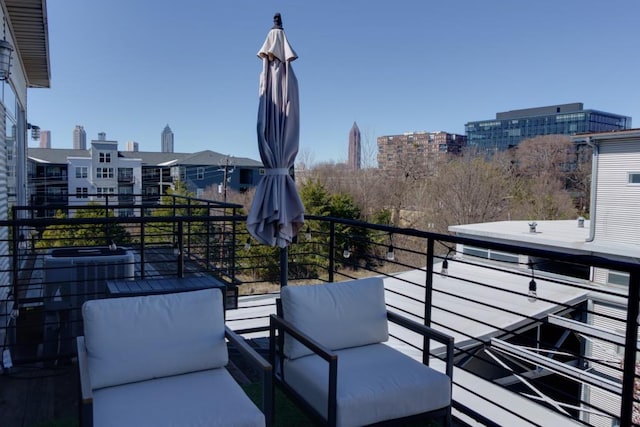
column 332, row 249
column 16, row 260
column 234, row 244
column 428, row 299
column 180, row 248
column 142, row 236
column 284, row 266
column 208, row 239
column 630, row 350
column 189, row 226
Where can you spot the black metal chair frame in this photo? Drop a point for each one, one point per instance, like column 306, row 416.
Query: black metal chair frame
column 278, row 326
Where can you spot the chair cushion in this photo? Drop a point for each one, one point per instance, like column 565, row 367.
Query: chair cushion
column 139, row 338
column 337, row 315
column 206, row 398
column 375, row 383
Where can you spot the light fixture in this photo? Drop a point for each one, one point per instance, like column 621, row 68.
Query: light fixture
column 307, row 233
column 247, row 244
column 390, row 253
column 532, row 296
column 444, row 270
column 6, row 51
column 22, row 242
column 346, row 251
column 35, row 131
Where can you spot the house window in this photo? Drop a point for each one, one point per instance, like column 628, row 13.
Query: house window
column 101, row 191
column 634, row 178
column 104, row 172
column 81, row 171
column 82, row 192
column 246, row 176
column 618, row 278
column 200, row 173
column 105, row 158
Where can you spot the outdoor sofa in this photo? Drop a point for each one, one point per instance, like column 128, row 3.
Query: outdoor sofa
column 329, row 353
column 160, row 361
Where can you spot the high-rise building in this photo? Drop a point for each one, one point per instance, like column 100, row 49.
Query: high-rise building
column 415, row 150
column 79, row 138
column 167, row 140
column 45, row 139
column 355, row 151
column 132, row 146
column 511, row 127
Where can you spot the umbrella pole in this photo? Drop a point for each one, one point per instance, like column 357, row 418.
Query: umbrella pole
column 284, row 266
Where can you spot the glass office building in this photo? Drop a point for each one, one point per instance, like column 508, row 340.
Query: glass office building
column 511, row 127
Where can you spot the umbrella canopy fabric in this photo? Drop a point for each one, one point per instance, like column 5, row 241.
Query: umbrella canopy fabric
column 277, row 212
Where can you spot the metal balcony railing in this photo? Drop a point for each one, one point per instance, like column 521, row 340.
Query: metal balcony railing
column 560, row 349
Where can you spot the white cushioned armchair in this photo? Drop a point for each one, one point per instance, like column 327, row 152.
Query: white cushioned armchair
column 160, row 361
column 328, row 352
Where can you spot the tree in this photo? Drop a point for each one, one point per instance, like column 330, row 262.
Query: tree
column 64, row 235
column 470, row 189
column 544, row 164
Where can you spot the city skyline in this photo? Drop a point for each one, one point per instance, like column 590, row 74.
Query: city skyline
column 392, row 68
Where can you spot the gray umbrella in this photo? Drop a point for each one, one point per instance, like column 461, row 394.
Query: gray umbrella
column 277, row 212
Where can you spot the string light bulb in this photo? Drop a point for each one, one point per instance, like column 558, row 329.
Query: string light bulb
column 247, row 244
column 532, row 295
column 390, row 253
column 346, row 251
column 444, row 271
column 307, row 233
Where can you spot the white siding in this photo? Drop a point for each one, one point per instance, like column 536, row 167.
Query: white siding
column 615, row 221
column 610, row 356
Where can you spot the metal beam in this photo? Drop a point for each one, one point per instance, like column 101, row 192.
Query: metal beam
column 555, row 366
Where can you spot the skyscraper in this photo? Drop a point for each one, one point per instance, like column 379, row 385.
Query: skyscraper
column 354, row 147
column 132, row 146
column 79, row 138
column 167, row 140
column 45, row 139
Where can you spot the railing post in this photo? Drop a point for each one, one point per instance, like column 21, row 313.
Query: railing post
column 630, row 350
column 208, row 239
column 428, row 299
column 16, row 255
column 332, row 249
column 142, row 237
column 234, row 231
column 189, row 226
column 180, row 248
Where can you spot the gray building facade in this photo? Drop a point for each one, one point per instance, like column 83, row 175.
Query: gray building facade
column 511, row 127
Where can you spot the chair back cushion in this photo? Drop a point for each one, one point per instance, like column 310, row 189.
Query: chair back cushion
column 337, row 315
column 140, row 338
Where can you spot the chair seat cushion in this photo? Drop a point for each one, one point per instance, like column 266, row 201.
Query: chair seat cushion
column 375, row 383
column 205, row 398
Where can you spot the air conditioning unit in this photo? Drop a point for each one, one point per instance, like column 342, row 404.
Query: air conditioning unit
column 71, row 277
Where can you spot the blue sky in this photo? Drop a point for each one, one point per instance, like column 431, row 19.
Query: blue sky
column 129, row 67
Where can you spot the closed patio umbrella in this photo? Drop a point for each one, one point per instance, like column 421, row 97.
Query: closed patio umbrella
column 277, row 212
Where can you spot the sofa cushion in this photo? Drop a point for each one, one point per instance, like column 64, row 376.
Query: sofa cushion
column 337, row 315
column 139, row 338
column 375, row 383
column 205, row 398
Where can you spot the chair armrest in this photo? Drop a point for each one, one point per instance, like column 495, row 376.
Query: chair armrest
column 276, row 322
column 431, row 333
column 86, row 393
column 258, row 361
